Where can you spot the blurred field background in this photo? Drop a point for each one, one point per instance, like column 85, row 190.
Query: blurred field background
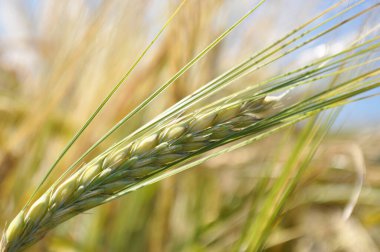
column 58, row 59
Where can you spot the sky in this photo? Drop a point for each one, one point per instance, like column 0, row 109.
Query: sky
column 13, row 27
column 365, row 113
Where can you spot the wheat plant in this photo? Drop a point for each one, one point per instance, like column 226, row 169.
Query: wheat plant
column 184, row 136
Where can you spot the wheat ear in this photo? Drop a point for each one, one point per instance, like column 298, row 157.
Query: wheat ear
column 128, row 164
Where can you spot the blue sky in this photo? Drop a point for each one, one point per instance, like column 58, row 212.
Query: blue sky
column 359, row 114
column 365, row 113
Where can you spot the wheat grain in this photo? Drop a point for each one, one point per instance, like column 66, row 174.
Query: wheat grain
column 128, row 164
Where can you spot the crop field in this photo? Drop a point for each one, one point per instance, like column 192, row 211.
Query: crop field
column 189, row 125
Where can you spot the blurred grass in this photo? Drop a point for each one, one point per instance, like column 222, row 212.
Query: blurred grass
column 81, row 49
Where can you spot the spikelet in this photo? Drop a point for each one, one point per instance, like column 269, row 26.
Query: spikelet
column 127, row 165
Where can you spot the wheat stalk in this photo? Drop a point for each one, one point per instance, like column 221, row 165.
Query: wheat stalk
column 128, row 164
column 132, row 161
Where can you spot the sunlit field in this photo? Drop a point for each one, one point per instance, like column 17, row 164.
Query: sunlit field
column 189, row 125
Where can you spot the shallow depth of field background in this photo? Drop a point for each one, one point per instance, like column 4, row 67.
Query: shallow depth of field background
column 58, row 60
